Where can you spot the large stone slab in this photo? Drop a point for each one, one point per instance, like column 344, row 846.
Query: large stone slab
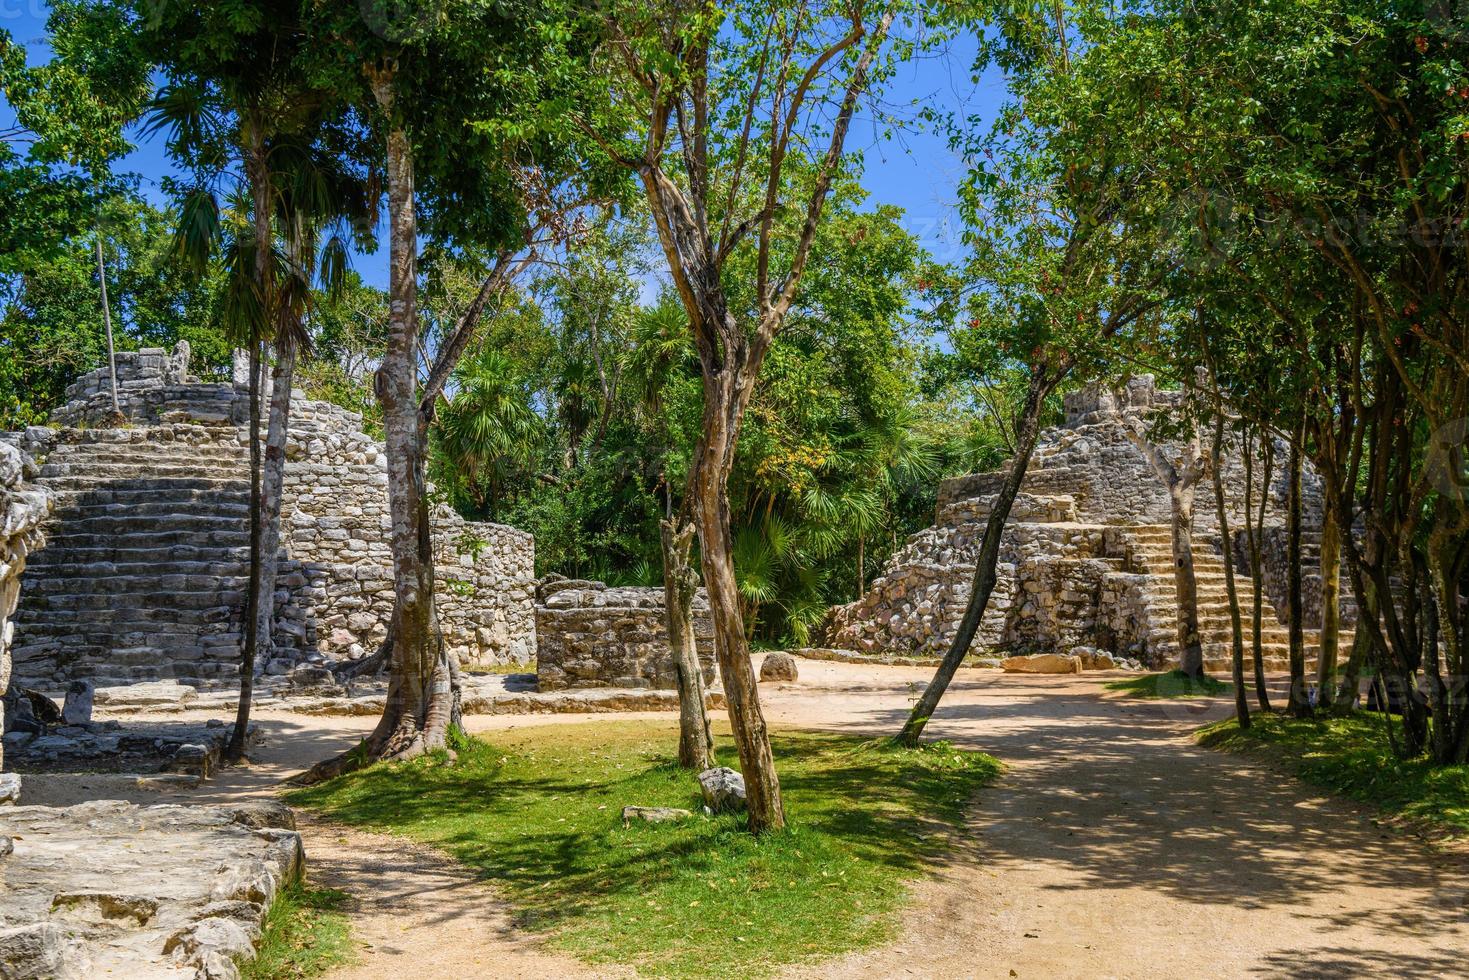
column 109, row 888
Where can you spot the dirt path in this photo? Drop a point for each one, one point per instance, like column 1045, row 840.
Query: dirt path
column 1115, row 847
column 1112, row 847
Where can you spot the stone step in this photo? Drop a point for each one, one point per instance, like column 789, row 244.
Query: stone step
column 148, row 599
column 223, row 508
column 62, row 464
column 138, row 492
column 54, row 556
column 210, row 441
column 56, row 568
column 118, row 524
column 203, row 536
column 180, row 476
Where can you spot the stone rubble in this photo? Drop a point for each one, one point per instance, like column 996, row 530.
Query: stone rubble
column 779, row 667
column 654, row 814
column 154, row 893
column 186, row 748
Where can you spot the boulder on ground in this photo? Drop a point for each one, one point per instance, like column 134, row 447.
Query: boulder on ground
column 9, row 788
column 77, row 710
column 723, row 788
column 778, row 667
column 35, row 950
column 654, row 814
column 1042, row 663
column 1093, row 659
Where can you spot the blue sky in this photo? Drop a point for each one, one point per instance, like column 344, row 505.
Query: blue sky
column 913, row 169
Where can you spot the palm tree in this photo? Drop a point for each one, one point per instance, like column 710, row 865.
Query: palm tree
column 487, row 431
column 290, row 195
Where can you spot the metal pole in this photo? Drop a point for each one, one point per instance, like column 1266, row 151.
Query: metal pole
column 107, row 319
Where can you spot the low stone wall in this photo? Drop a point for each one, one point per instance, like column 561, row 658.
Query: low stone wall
column 594, row 635
column 22, row 509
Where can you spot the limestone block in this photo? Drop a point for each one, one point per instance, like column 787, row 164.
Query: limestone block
column 1041, row 663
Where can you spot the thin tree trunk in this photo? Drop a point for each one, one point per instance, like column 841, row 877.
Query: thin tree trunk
column 1348, row 691
column 1257, row 573
column 261, row 207
column 235, row 750
column 1181, row 485
column 272, row 486
column 1443, row 643
column 107, row 321
column 712, row 459
column 1185, row 582
column 1330, row 609
column 1299, row 702
column 1237, row 631
column 985, row 577
column 695, row 739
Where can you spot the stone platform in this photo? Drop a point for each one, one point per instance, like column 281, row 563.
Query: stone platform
column 143, row 747
column 149, row 893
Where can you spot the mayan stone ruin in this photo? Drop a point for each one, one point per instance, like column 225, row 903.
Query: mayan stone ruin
column 593, row 635
column 1085, row 560
column 23, row 509
column 143, row 573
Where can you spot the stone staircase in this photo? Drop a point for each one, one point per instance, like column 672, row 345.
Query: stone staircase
column 145, row 567
column 1150, row 552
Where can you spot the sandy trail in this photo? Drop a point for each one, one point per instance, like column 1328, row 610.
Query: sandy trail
column 1112, row 847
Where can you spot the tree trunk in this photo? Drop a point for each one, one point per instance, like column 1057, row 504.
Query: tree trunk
column 1299, row 702
column 1237, row 631
column 423, row 689
column 1348, row 691
column 1181, row 484
column 1257, row 573
column 1330, row 609
column 1027, row 430
column 713, row 457
column 261, row 208
column 1185, row 582
column 1444, row 641
column 272, row 485
column 695, row 739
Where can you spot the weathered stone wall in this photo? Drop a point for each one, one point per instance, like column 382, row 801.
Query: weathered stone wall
column 336, row 508
column 1084, row 557
column 594, row 635
column 171, row 480
column 153, row 386
column 22, row 509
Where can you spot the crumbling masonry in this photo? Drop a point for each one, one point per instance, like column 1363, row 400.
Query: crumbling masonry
column 144, row 571
column 1085, row 558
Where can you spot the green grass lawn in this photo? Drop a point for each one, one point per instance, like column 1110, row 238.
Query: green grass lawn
column 1173, row 684
column 538, row 811
column 305, row 935
column 1351, row 756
